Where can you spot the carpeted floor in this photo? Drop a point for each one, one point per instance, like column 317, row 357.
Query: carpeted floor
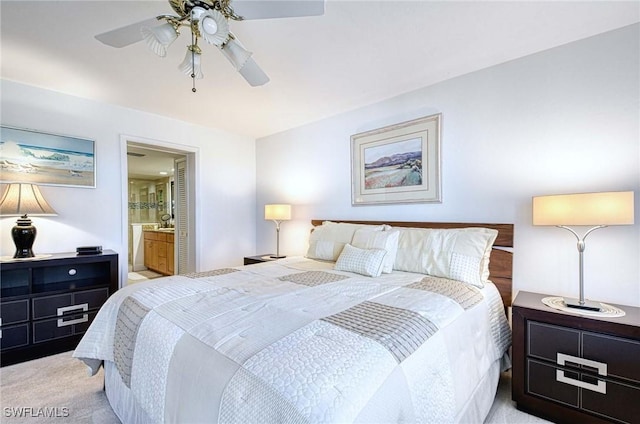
column 59, row 387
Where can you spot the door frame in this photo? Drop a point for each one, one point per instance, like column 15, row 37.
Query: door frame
column 191, row 153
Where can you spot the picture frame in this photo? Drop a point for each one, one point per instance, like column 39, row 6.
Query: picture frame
column 36, row 157
column 398, row 163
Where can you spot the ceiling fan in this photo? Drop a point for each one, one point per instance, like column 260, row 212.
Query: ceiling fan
column 209, row 20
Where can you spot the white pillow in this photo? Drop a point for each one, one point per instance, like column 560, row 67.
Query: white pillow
column 361, row 261
column 365, row 238
column 327, row 240
column 459, row 254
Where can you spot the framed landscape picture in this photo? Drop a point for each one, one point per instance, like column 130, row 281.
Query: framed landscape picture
column 397, row 164
column 28, row 156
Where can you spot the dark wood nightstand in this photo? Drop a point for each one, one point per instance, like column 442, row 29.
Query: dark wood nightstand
column 570, row 368
column 248, row 260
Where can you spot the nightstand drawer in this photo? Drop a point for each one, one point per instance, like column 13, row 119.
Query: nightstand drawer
column 619, row 401
column 15, row 336
column 61, row 304
column 541, row 381
column 622, row 356
column 545, row 341
column 13, row 312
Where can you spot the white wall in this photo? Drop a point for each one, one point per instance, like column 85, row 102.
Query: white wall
column 225, row 191
column 561, row 121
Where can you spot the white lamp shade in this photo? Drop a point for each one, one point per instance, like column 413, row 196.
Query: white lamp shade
column 277, row 212
column 158, row 38
column 213, row 27
column 607, row 208
column 236, row 53
column 254, row 75
column 192, row 64
column 21, row 199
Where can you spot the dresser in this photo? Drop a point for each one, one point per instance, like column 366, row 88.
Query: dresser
column 48, row 303
column 571, row 368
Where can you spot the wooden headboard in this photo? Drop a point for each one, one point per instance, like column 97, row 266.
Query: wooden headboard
column 501, row 263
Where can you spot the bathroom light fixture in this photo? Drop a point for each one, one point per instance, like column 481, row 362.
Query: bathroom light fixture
column 277, row 213
column 23, row 200
column 597, row 210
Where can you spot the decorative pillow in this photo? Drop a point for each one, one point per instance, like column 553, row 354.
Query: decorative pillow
column 361, row 261
column 327, row 240
column 459, row 254
column 365, row 238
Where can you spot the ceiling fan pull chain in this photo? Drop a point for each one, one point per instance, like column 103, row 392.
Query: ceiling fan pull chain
column 194, row 41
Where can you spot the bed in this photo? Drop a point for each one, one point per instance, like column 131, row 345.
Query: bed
column 377, row 322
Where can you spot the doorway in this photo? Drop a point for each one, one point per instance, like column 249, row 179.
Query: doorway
column 159, row 218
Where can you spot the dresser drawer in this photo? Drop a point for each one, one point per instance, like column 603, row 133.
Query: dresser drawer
column 61, row 304
column 51, row 329
column 14, row 336
column 14, row 311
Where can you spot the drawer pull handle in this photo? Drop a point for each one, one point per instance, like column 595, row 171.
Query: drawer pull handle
column 601, row 367
column 601, row 387
column 73, row 271
column 82, row 307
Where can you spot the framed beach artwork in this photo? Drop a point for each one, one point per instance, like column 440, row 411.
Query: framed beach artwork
column 28, row 156
column 397, row 164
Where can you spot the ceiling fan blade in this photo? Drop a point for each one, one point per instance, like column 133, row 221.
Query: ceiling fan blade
column 268, row 9
column 253, row 74
column 126, row 35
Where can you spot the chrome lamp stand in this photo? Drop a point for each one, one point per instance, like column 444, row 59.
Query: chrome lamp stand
column 581, row 303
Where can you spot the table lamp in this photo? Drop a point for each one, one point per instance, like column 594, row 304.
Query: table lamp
column 597, row 210
column 277, row 213
column 23, row 200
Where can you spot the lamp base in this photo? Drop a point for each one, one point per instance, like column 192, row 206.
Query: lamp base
column 24, row 234
column 587, row 304
column 277, row 257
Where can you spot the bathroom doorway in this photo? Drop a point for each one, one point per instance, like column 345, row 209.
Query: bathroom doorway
column 158, row 211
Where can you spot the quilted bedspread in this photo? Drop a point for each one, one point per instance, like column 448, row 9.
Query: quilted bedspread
column 296, row 341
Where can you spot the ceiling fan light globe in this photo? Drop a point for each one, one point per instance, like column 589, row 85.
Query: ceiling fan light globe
column 159, row 38
column 253, row 74
column 213, row 27
column 236, row 53
column 192, row 64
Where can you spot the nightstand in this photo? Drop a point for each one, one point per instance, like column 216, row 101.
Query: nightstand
column 248, row 260
column 571, row 368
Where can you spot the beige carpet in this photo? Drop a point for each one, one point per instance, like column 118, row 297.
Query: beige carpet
column 60, row 388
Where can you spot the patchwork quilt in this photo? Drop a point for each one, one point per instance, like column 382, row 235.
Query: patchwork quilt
column 296, row 341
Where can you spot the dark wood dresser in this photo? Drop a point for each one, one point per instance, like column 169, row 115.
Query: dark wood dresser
column 571, row 368
column 48, row 303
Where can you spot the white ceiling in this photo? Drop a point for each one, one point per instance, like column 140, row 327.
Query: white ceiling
column 358, row 53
